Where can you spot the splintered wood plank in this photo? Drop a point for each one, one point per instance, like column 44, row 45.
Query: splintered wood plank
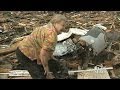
column 98, row 74
column 19, row 73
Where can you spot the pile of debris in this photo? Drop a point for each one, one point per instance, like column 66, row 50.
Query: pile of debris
column 70, row 53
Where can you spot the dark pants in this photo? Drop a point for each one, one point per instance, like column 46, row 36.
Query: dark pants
column 36, row 71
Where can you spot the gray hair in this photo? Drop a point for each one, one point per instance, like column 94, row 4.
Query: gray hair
column 57, row 18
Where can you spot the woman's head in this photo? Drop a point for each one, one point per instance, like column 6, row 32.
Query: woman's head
column 58, row 21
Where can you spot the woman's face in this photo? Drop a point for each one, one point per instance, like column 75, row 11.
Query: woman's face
column 59, row 26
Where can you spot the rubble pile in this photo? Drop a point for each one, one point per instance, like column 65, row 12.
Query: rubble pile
column 15, row 24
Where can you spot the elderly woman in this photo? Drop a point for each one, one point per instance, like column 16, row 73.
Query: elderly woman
column 37, row 48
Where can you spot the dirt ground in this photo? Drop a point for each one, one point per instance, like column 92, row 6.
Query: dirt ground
column 15, row 24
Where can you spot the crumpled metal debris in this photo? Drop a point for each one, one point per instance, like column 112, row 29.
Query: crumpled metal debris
column 67, row 46
column 64, row 47
column 96, row 38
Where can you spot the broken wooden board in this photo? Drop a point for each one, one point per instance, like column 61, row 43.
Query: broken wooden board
column 16, row 74
column 19, row 73
column 77, row 71
column 98, row 74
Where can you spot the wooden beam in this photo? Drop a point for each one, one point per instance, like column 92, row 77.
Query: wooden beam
column 103, row 74
column 77, row 71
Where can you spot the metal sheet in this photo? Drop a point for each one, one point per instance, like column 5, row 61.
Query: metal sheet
column 96, row 38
